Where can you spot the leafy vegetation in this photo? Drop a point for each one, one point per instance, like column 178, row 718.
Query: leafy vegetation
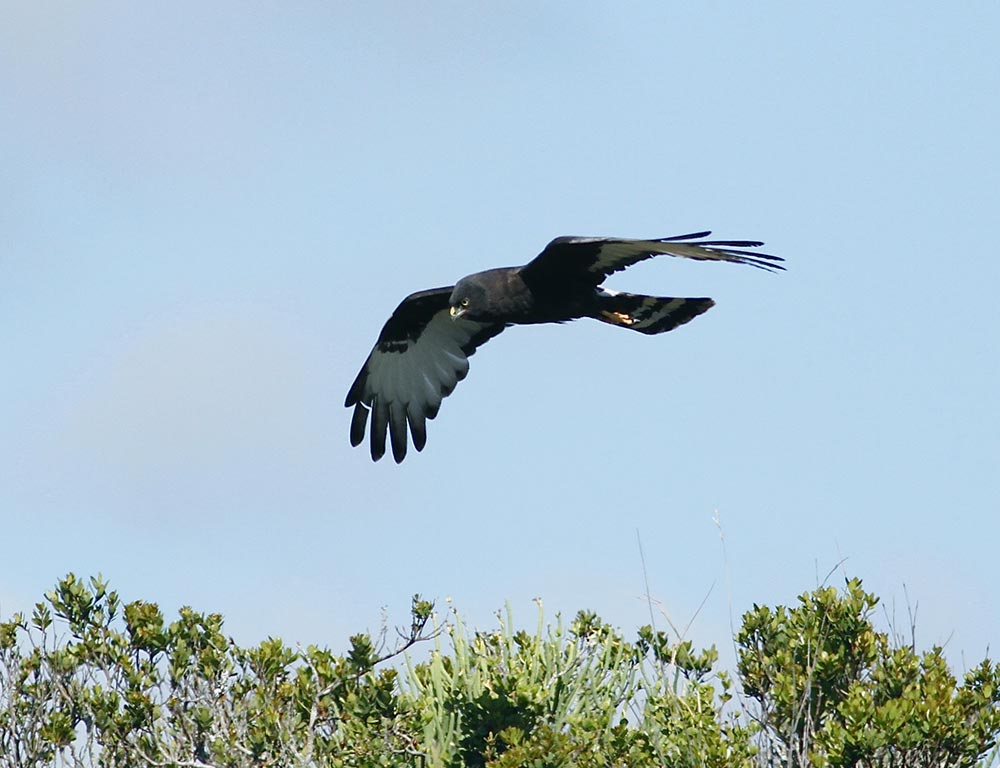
column 90, row 681
column 832, row 691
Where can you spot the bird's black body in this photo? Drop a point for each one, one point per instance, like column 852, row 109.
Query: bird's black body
column 507, row 295
column 423, row 349
column 499, row 294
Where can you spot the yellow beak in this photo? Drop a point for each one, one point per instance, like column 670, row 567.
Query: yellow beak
column 456, row 312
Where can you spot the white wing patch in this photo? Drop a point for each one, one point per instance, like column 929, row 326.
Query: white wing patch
column 403, row 382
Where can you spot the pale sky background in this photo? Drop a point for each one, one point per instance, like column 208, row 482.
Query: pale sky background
column 207, row 211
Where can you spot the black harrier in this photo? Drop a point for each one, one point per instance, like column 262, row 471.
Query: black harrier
column 424, row 348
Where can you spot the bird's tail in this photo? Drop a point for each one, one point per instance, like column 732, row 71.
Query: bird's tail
column 647, row 314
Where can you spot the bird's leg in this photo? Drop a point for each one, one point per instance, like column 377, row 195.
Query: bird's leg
column 619, row 318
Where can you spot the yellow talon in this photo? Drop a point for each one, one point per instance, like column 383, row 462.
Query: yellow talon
column 619, row 317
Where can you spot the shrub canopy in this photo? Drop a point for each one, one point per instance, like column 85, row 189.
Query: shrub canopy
column 90, row 681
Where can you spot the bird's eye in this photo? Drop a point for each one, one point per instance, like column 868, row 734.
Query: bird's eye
column 464, row 303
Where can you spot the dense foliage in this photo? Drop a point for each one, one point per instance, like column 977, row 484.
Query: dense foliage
column 90, row 681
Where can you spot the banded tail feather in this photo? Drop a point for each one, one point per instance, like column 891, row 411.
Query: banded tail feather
column 648, row 314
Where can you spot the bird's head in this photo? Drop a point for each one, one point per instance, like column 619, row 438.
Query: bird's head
column 468, row 299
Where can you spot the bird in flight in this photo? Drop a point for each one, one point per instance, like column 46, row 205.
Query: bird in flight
column 424, row 348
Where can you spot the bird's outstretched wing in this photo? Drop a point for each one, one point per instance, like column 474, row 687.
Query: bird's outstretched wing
column 420, row 355
column 597, row 257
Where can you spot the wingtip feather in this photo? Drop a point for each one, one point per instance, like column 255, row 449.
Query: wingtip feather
column 359, row 420
column 397, row 432
column 380, row 424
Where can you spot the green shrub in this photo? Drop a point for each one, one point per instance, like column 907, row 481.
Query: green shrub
column 832, row 691
column 580, row 696
column 90, row 681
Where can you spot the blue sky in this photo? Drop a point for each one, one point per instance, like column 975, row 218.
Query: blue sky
column 207, row 211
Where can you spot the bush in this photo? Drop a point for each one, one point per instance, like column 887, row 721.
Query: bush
column 89, row 681
column 831, row 691
column 580, row 696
